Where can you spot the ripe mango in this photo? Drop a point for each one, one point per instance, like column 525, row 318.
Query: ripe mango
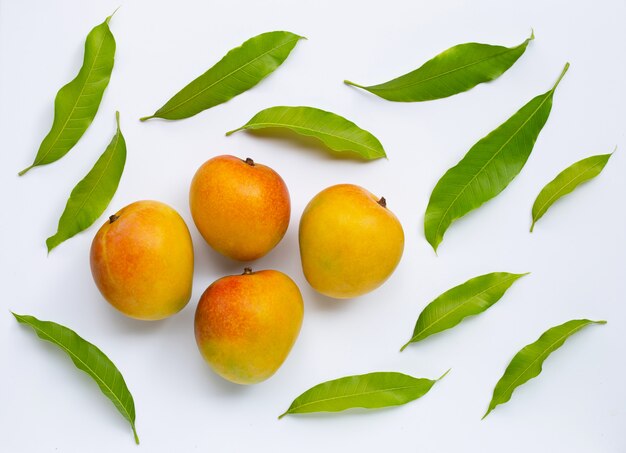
column 350, row 242
column 142, row 260
column 240, row 207
column 245, row 325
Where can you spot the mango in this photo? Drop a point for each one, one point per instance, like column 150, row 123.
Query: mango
column 245, row 325
column 142, row 261
column 240, row 207
column 350, row 242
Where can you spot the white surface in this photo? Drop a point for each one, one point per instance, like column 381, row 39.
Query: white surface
column 576, row 254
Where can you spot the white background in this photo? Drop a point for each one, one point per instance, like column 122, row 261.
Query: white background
column 576, row 254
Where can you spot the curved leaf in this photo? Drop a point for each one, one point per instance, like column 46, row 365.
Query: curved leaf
column 94, row 192
column 334, row 131
column 566, row 182
column 88, row 358
column 488, row 167
column 453, row 71
column 370, row 391
column 468, row 299
column 528, row 362
column 240, row 69
column 76, row 104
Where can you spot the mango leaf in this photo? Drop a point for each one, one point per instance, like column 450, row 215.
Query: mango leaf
column 94, row 192
column 238, row 71
column 566, row 181
column 468, row 299
column 370, row 391
column 528, row 362
column 488, row 167
column 334, row 131
column 88, row 358
column 76, row 104
column 453, row 71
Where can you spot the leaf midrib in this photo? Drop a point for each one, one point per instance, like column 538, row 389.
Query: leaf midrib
column 417, row 82
column 336, row 398
column 547, row 95
column 92, row 374
column 562, row 189
column 291, row 126
column 53, row 145
column 458, row 307
column 165, row 112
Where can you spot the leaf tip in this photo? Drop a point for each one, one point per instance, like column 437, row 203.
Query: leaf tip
column 51, row 243
column 486, row 413
column 443, row 375
column 532, row 34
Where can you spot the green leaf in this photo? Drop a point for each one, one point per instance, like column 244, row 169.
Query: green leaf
column 334, row 131
column 566, row 182
column 88, row 358
column 453, row 71
column 527, row 363
column 240, row 69
column 488, row 167
column 468, row 299
column 93, row 193
column 76, row 104
column 370, row 391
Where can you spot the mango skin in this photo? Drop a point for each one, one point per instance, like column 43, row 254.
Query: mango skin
column 241, row 209
column 142, row 261
column 245, row 325
column 349, row 243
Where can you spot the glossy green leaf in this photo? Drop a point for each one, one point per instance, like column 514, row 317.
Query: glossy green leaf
column 93, row 193
column 76, row 104
column 488, row 167
column 370, row 391
column 566, row 182
column 453, row 71
column 240, row 69
column 334, row 131
column 88, row 358
column 528, row 362
column 468, row 299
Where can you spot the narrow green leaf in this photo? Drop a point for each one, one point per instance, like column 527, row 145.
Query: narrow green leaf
column 94, row 192
column 88, row 358
column 528, row 362
column 468, row 299
column 240, row 69
column 76, row 104
column 453, row 71
column 334, row 131
column 370, row 391
column 488, row 167
column 566, row 181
